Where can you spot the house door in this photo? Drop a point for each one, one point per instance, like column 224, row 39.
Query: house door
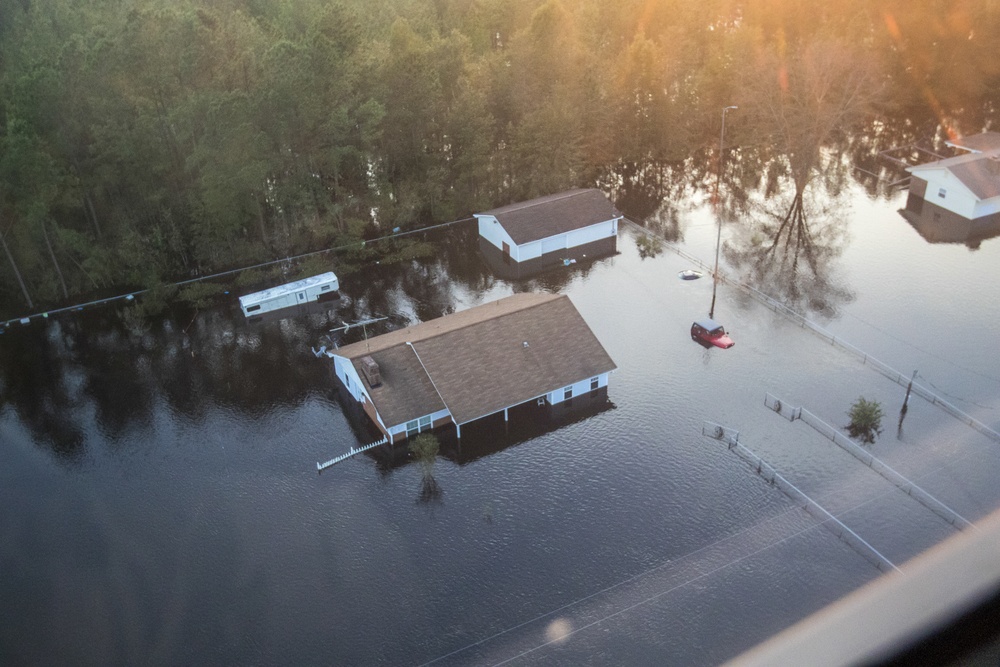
column 506, row 252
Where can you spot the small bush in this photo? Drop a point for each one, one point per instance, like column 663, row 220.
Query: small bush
column 649, row 246
column 866, row 420
column 425, row 448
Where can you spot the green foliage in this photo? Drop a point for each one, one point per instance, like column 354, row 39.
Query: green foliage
column 155, row 300
column 182, row 137
column 424, row 448
column 866, row 420
column 134, row 320
column 649, row 246
column 200, row 294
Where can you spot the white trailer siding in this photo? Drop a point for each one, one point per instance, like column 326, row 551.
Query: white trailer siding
column 290, row 294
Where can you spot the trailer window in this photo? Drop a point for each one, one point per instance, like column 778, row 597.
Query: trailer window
column 250, row 309
column 324, row 288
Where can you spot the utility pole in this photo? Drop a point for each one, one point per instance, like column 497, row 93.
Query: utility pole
column 715, row 203
column 906, row 401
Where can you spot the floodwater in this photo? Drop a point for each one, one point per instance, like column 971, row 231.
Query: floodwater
column 159, row 500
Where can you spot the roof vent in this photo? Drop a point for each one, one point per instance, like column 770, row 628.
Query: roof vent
column 526, row 343
column 370, row 368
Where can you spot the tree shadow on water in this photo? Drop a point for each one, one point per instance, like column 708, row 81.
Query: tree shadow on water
column 789, row 251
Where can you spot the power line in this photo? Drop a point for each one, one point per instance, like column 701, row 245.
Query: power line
column 927, row 352
column 132, row 295
column 655, row 597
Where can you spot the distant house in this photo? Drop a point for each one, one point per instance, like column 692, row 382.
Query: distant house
column 474, row 363
column 967, row 185
column 547, row 226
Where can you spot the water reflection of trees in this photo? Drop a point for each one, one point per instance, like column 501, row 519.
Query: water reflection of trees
column 789, row 248
column 88, row 370
column 805, row 102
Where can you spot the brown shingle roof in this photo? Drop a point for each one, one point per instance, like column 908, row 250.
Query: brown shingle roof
column 554, row 214
column 405, row 392
column 477, row 359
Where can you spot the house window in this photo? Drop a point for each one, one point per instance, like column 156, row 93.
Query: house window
column 593, row 384
column 412, row 428
column 942, row 192
column 567, row 393
column 425, row 422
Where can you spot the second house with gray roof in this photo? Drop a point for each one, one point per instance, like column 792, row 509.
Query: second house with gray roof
column 549, row 225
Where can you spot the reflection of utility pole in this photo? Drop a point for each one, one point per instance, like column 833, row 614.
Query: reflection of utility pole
column 902, row 411
column 718, row 215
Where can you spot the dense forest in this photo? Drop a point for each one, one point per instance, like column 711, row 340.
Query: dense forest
column 146, row 141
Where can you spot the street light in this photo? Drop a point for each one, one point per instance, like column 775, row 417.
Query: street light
column 718, row 236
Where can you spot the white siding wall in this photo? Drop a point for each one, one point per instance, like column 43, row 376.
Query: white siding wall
column 400, row 429
column 988, row 207
column 581, row 388
column 596, row 232
column 348, row 375
column 491, row 230
column 955, row 196
column 577, row 237
column 554, row 243
column 527, row 251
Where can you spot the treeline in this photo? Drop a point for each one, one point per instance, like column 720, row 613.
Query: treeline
column 143, row 141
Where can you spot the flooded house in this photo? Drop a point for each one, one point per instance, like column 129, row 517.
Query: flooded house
column 967, row 185
column 581, row 221
column 459, row 368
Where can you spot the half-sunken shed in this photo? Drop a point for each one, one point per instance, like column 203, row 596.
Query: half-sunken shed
column 551, row 224
column 474, row 363
column 968, row 185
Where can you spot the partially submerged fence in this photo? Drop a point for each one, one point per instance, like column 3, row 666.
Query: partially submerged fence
column 910, row 488
column 859, row 354
column 774, row 478
column 320, row 467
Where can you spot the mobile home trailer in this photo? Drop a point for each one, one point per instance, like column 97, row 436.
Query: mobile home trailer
column 299, row 292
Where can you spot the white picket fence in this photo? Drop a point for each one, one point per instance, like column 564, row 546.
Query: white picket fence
column 343, row 457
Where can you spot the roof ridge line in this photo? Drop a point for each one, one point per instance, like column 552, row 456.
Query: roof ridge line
column 538, row 201
column 473, row 322
column 498, row 317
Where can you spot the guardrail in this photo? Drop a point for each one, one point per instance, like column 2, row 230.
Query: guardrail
column 870, row 460
column 865, row 358
column 774, row 478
